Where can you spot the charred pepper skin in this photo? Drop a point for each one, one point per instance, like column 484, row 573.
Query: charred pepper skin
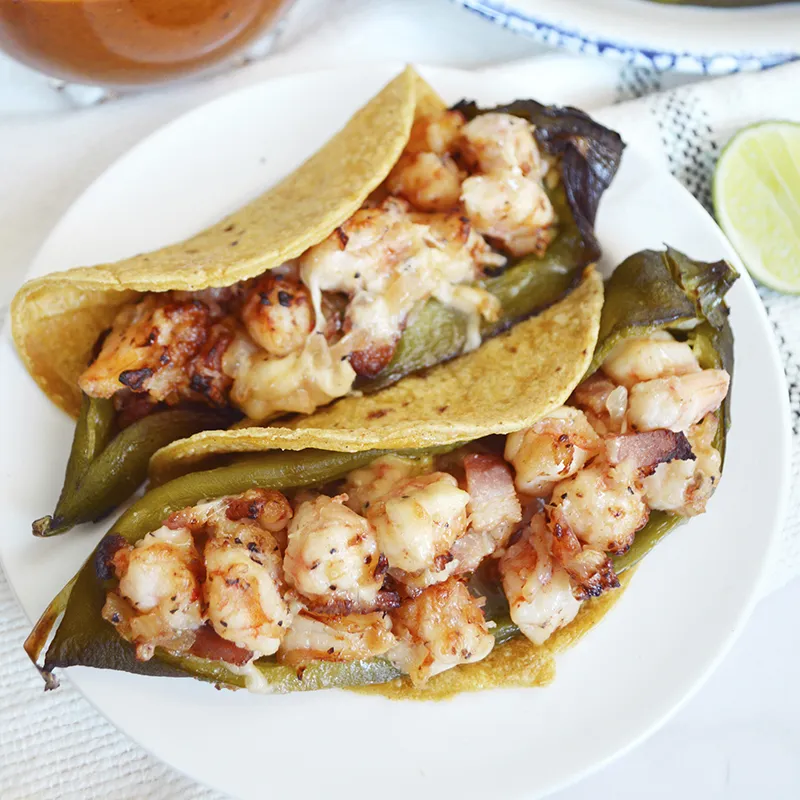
column 102, row 474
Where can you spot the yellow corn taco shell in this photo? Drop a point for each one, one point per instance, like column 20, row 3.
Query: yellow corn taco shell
column 506, row 385
column 57, row 319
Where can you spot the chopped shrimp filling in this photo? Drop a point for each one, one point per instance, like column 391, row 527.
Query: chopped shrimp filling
column 381, row 565
column 462, row 198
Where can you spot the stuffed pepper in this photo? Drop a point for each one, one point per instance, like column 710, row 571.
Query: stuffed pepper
column 424, row 571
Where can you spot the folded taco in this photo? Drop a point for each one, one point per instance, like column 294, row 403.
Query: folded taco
column 423, row 571
column 417, row 233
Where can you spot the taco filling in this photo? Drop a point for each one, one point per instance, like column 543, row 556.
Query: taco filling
column 396, row 559
column 464, row 200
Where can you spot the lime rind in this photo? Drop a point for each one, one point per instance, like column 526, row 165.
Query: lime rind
column 756, row 195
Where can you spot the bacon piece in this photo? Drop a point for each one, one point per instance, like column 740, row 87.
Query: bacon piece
column 494, row 510
column 209, row 644
column 647, row 450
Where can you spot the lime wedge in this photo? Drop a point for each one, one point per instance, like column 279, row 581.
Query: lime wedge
column 757, row 201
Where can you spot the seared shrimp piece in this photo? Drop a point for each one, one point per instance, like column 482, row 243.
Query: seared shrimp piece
column 494, row 510
column 591, row 571
column 550, row 450
column 319, row 637
column 677, row 402
column 426, row 174
column 149, row 346
column 278, row 314
column 497, row 143
column 436, row 133
column 158, row 601
column 512, row 209
column 243, row 587
column 265, row 387
column 538, row 588
column 603, row 402
column 685, row 487
column 658, row 355
column 369, row 484
column 417, row 523
column 439, row 629
column 359, row 255
column 430, row 182
column 457, row 251
column 602, row 505
column 333, row 558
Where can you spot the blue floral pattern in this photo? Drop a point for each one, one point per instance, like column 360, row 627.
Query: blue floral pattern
column 575, row 41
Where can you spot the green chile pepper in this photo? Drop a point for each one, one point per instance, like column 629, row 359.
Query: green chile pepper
column 101, row 474
column 654, row 290
column 83, row 637
column 92, row 431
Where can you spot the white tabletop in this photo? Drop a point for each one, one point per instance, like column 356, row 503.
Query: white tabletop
column 740, row 734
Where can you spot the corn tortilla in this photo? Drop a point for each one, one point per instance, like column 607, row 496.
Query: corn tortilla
column 507, row 384
column 57, row 319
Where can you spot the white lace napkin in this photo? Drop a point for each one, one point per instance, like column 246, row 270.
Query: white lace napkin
column 56, row 745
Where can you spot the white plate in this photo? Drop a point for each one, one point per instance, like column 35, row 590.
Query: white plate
column 711, row 41
column 681, row 614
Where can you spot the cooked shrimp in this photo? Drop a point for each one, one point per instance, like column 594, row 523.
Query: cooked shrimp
column 494, row 510
column 430, row 182
column 538, row 589
column 158, row 601
column 685, row 487
column 244, row 581
column 550, row 450
column 264, row 387
column 498, row 143
column 602, row 505
column 426, row 174
column 318, row 637
column 590, row 570
column 278, row 314
column 603, row 402
column 361, row 254
column 512, row 209
column 367, row 485
column 333, row 558
column 436, row 133
column 677, row 402
column 437, row 630
column 457, row 252
column 658, row 355
column 148, row 348
column 417, row 523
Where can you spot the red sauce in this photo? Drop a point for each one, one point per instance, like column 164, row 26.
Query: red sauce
column 129, row 42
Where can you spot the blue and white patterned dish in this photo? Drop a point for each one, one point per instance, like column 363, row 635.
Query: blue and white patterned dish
column 707, row 41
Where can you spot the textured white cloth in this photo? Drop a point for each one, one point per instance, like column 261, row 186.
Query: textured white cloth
column 57, row 745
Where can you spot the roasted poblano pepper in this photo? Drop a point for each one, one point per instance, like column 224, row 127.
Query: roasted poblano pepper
column 103, row 471
column 99, row 478
column 649, row 291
